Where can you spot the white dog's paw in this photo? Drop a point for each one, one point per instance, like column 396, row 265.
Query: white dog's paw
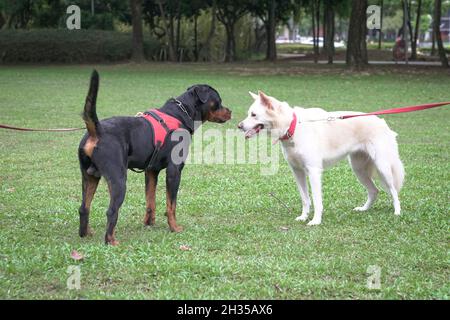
column 303, row 217
column 360, row 209
column 397, row 212
column 314, row 222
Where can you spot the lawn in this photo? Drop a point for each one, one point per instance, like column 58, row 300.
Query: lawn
column 243, row 243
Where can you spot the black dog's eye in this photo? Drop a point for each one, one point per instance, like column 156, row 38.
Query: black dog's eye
column 253, row 115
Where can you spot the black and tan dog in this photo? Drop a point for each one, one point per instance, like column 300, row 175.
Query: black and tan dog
column 113, row 145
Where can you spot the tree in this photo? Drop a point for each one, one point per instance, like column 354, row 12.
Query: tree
column 271, row 53
column 228, row 13
column 315, row 23
column 437, row 33
column 191, row 9
column 356, row 46
column 328, row 23
column 271, row 13
column 416, row 31
column 167, row 11
column 137, row 54
column 205, row 49
column 15, row 13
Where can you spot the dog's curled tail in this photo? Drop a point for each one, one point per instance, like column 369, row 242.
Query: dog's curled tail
column 89, row 113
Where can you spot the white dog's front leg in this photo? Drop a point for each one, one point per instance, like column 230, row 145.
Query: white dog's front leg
column 315, row 179
column 300, row 178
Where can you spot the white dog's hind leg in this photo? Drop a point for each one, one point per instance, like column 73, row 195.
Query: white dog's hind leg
column 315, row 179
column 300, row 178
column 385, row 172
column 362, row 166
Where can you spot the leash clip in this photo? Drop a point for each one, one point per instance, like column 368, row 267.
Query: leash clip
column 331, row 119
column 181, row 106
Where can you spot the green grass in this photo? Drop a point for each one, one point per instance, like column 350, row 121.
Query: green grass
column 231, row 223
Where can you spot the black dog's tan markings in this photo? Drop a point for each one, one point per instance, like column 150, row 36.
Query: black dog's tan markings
column 112, row 146
column 151, row 180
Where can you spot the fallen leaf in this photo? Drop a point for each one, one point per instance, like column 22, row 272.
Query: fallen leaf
column 184, row 247
column 75, row 255
column 284, row 228
column 11, row 189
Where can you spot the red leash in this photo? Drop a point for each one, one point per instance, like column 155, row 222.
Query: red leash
column 398, row 110
column 4, row 126
column 291, row 130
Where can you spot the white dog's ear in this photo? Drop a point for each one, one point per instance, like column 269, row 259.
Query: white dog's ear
column 253, row 95
column 265, row 100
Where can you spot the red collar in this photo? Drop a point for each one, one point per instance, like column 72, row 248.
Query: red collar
column 290, row 132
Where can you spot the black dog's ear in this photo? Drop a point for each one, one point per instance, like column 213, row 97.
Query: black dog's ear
column 202, row 93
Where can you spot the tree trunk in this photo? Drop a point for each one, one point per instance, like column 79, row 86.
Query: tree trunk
column 380, row 33
column 172, row 44
column 168, row 26
column 313, row 25
column 325, row 27
column 433, row 43
column 230, row 49
column 260, row 36
column 356, row 47
column 178, row 36
column 317, row 28
column 206, row 49
column 137, row 54
column 408, row 9
column 437, row 32
column 328, row 23
column 271, row 54
column 416, row 32
column 195, row 38
column 2, row 20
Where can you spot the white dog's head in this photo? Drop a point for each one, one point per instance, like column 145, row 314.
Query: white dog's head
column 264, row 113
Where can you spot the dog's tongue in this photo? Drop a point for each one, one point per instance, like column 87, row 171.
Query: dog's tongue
column 250, row 133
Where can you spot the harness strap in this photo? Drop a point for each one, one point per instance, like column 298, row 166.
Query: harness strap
column 162, row 125
column 159, row 119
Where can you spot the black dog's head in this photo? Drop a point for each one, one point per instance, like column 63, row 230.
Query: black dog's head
column 208, row 104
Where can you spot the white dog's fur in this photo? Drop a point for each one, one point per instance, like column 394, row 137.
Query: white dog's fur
column 368, row 142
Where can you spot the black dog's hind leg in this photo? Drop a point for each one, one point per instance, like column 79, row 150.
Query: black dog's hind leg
column 117, row 189
column 89, row 186
column 151, row 180
column 173, row 176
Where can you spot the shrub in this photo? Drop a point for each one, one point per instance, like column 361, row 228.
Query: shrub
column 69, row 46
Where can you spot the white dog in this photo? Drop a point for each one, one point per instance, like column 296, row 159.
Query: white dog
column 313, row 139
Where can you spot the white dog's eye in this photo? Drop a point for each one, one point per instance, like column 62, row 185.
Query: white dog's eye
column 253, row 115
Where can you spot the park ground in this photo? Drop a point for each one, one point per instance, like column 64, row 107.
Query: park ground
column 243, row 243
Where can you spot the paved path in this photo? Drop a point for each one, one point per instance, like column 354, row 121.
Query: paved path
column 375, row 62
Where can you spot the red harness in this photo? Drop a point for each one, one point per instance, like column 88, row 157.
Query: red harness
column 162, row 125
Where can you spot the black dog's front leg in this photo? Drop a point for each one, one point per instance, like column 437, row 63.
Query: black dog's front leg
column 173, row 177
column 151, row 180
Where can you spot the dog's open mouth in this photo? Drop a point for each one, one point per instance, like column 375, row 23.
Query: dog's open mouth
column 255, row 130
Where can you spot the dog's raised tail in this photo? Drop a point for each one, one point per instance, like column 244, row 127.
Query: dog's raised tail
column 90, row 113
